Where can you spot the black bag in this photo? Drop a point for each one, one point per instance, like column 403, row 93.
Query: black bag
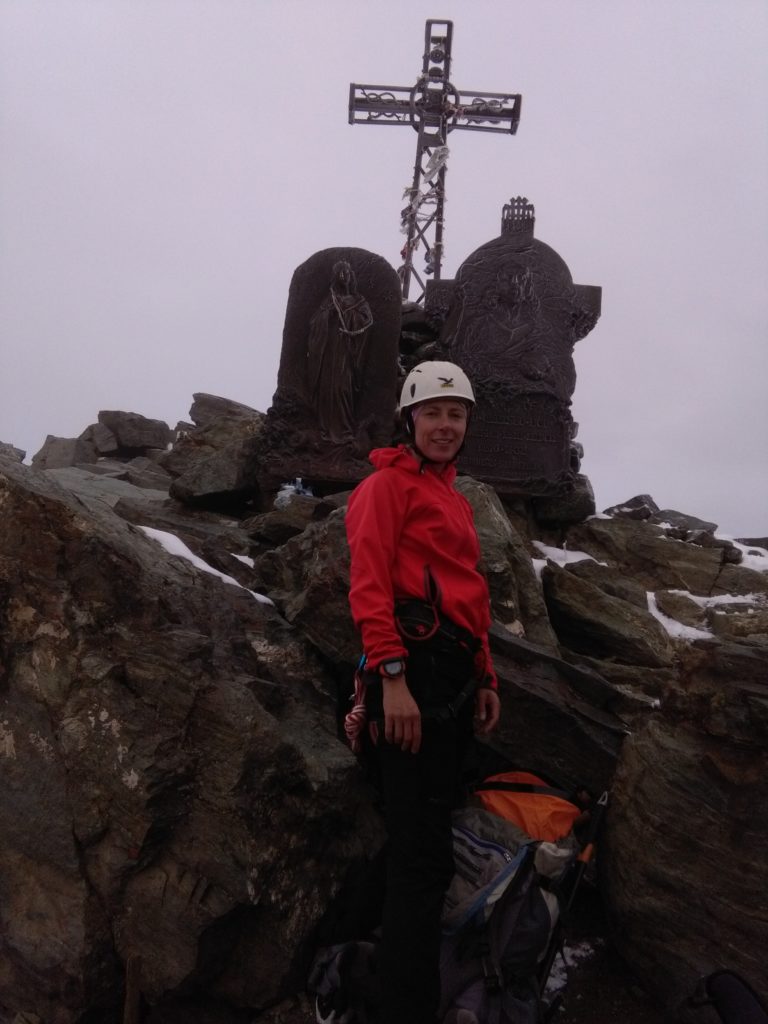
column 732, row 996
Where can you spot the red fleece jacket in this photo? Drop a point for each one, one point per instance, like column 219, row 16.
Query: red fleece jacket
column 403, row 519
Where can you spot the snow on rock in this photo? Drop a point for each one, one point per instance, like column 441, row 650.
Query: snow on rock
column 752, row 557
column 245, row 559
column 171, row 543
column 560, row 556
column 673, row 627
column 721, row 599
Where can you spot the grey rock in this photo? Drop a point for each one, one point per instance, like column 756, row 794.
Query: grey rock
column 105, row 490
column 565, row 736
column 279, row 525
column 135, row 432
column 722, row 688
column 59, row 452
column 140, row 471
column 679, row 606
column 740, row 579
column 105, row 467
column 145, row 472
column 308, row 579
column 735, row 621
column 708, row 540
column 640, row 680
column 207, row 410
column 686, row 525
column 198, row 529
column 220, row 426
column 642, row 506
column 516, row 595
column 754, row 542
column 574, row 506
column 681, row 907
column 643, row 553
column 610, row 581
column 170, row 771
column 588, row 620
column 102, row 439
column 225, row 477
column 8, row 450
column 588, row 683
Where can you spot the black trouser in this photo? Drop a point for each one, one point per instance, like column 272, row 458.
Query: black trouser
column 419, row 792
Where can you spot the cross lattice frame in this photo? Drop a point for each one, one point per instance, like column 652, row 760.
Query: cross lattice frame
column 433, row 107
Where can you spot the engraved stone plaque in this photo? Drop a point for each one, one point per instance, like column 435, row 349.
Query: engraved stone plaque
column 518, row 438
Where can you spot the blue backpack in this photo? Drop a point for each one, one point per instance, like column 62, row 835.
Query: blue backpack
column 500, row 930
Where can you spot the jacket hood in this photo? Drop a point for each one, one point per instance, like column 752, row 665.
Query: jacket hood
column 403, row 459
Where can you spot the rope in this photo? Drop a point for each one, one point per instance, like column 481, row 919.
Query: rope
column 354, row 720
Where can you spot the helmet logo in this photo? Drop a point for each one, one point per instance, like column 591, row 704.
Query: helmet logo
column 447, row 382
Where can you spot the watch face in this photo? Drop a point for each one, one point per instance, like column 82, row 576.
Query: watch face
column 392, row 668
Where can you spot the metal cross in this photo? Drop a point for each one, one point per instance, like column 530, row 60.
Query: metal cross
column 434, row 108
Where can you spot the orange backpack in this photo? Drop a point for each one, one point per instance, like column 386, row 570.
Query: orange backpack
column 540, row 810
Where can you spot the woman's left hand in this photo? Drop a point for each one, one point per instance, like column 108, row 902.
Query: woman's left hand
column 487, row 709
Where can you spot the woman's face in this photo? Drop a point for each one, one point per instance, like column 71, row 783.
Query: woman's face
column 439, row 427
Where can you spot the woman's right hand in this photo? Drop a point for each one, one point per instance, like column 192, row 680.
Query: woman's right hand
column 402, row 718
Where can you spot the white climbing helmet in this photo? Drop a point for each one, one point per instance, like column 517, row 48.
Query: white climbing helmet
column 435, row 379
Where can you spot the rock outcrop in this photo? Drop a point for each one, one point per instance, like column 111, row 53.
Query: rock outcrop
column 176, row 806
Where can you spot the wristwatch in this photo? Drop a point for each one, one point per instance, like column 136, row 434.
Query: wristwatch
column 392, row 669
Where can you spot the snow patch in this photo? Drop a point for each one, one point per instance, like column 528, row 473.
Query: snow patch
column 538, row 566
column 570, row 956
column 720, row 599
column 561, row 556
column 171, row 543
column 752, row 557
column 245, row 559
column 673, row 627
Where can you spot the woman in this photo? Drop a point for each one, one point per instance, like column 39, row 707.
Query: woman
column 422, row 608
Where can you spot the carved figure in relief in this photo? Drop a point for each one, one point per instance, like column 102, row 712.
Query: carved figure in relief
column 336, row 352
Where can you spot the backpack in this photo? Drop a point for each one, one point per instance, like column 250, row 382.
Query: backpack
column 501, row 924
column 499, row 920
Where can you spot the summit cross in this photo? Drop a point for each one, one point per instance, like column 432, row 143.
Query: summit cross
column 433, row 107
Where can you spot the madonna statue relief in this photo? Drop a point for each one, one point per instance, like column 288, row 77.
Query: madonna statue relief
column 336, row 353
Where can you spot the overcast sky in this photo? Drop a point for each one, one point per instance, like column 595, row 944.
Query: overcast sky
column 165, row 165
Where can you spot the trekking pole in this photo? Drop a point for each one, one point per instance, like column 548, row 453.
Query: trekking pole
column 588, row 849
column 582, row 860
